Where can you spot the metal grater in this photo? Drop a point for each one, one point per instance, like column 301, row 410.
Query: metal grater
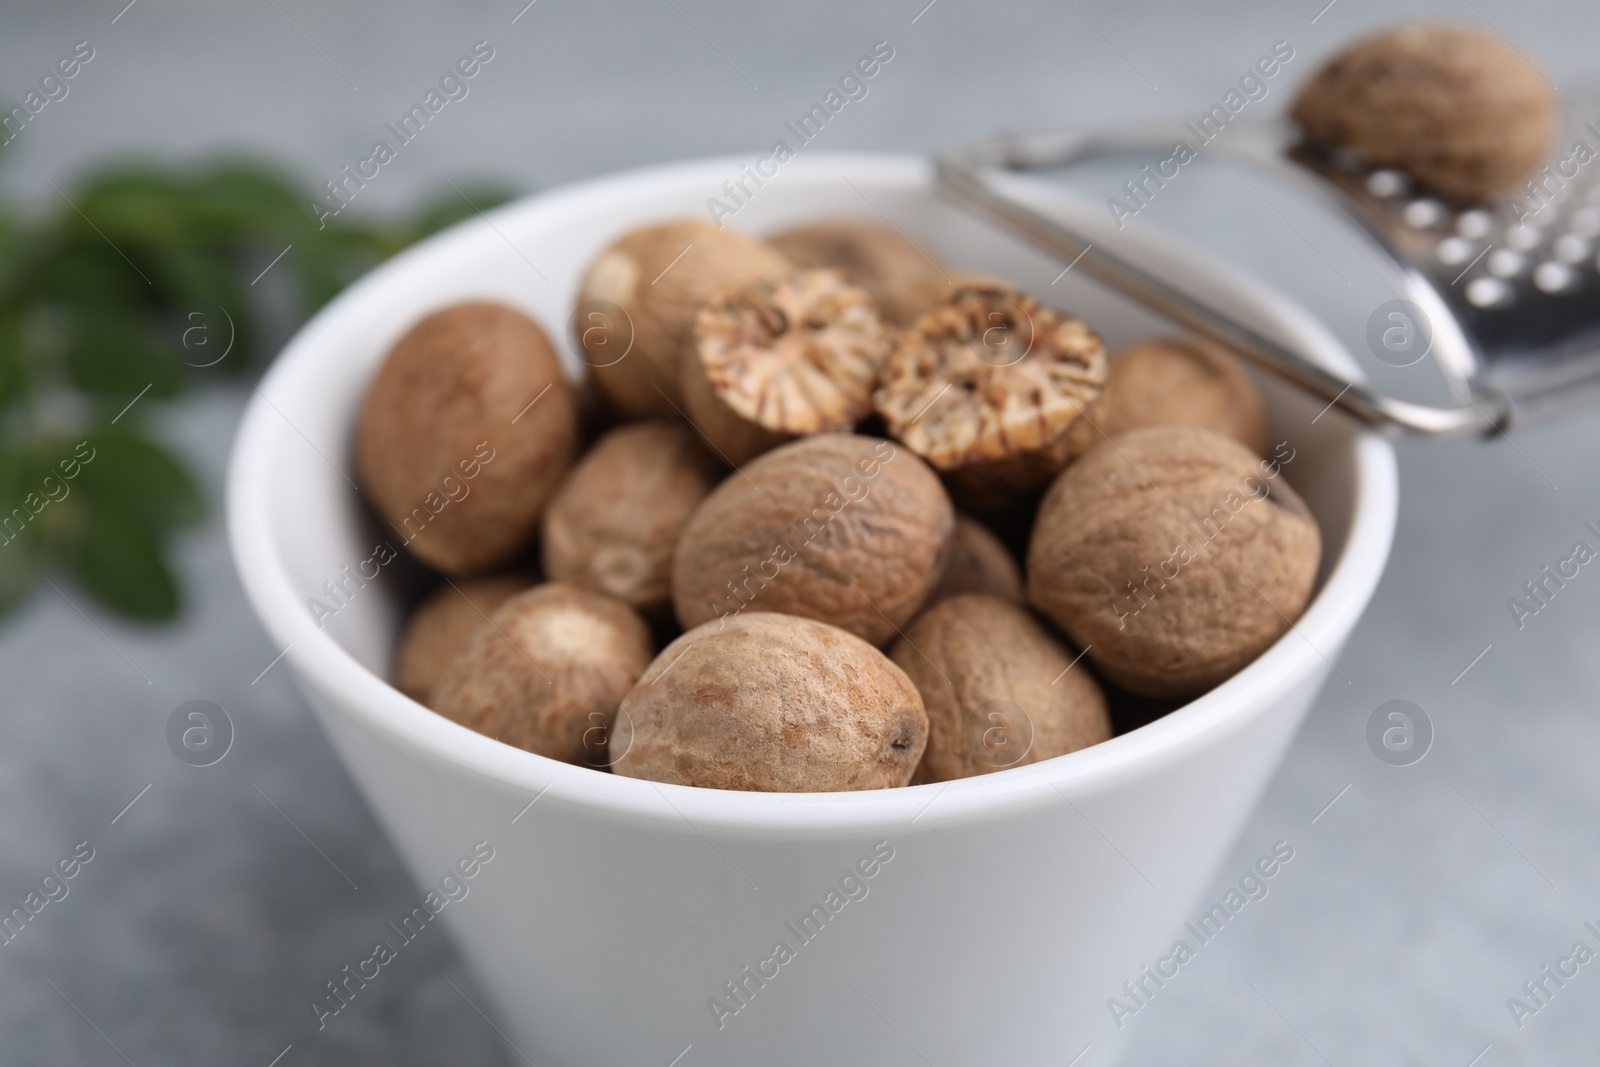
column 1511, row 291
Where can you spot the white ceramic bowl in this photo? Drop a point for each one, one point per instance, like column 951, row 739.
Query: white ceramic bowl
column 616, row 911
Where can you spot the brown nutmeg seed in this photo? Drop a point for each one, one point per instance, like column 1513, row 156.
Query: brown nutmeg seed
column 441, row 624
column 1460, row 110
column 991, row 388
column 847, row 529
column 1176, row 555
column 637, row 302
column 999, row 690
column 903, row 278
column 1169, row 381
column 463, row 435
column 776, row 360
column 979, row 563
column 547, row 671
column 614, row 523
column 771, row 703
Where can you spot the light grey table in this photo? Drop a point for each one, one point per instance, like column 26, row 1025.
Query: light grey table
column 222, row 898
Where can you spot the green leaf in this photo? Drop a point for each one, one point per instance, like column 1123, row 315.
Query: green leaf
column 133, row 204
column 13, row 358
column 19, row 536
column 120, row 355
column 138, row 478
column 143, row 274
column 119, row 561
column 87, row 275
column 238, row 199
column 192, row 276
column 202, row 287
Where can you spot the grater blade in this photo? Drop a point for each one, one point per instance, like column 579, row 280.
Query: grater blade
column 1511, row 290
column 1521, row 276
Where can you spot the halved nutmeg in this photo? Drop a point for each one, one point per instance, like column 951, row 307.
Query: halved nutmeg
column 775, row 360
column 991, row 388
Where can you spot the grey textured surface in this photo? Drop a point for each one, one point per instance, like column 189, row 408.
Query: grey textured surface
column 1416, row 904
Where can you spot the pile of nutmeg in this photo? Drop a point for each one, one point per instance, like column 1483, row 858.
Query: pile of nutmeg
column 822, row 513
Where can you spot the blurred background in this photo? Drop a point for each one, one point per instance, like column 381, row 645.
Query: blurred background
column 189, row 146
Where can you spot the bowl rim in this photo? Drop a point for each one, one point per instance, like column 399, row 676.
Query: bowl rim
column 325, row 667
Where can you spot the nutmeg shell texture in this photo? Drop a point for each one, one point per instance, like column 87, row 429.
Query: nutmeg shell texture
column 1000, row 690
column 613, row 525
column 441, row 624
column 1457, row 107
column 464, row 433
column 979, row 563
column 1170, row 381
column 641, row 294
column 842, row 528
column 1175, row 555
column 547, row 672
column 771, row 703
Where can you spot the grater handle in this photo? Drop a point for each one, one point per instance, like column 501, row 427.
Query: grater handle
column 965, row 173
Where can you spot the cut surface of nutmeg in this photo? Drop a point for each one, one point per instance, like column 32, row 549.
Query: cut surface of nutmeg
column 613, row 525
column 903, row 277
column 993, row 377
column 775, row 360
column 847, row 529
column 1175, row 556
column 547, row 672
column 771, row 703
column 637, row 302
column 1171, row 381
column 999, row 690
column 441, row 624
column 1462, row 111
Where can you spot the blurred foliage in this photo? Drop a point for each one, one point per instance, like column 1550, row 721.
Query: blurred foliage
column 132, row 285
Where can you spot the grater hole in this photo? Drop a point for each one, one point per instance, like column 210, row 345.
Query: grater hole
column 1506, row 263
column 1487, row 292
column 1570, row 249
column 1387, row 183
column 1585, row 222
column 1523, row 238
column 1454, row 251
column 1424, row 214
column 1475, row 224
column 1553, row 277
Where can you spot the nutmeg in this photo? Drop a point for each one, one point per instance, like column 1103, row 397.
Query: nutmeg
column 991, row 388
column 1174, row 555
column 846, row 529
column 463, row 435
column 640, row 295
column 773, row 703
column 613, row 525
column 999, row 690
column 1171, row 381
column 904, row 278
column 441, row 624
column 546, row 672
column 775, row 360
column 979, row 563
column 1460, row 110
